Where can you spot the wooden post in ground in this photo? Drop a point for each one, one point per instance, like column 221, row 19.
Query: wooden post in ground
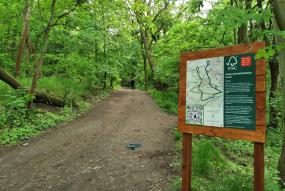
column 187, row 162
column 258, row 166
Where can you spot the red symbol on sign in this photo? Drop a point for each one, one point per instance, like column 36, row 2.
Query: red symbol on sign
column 246, row 61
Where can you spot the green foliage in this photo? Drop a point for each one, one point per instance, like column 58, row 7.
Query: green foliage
column 235, row 183
column 206, row 157
column 17, row 122
column 14, row 110
column 217, row 167
column 167, row 100
column 270, row 51
column 11, row 136
column 177, row 134
column 33, row 125
column 6, row 61
column 176, row 184
column 68, row 89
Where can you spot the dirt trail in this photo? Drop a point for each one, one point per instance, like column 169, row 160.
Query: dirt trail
column 89, row 153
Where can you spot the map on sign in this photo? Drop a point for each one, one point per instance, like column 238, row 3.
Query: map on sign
column 220, row 92
column 205, row 92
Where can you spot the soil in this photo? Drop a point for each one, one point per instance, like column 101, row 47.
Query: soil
column 89, row 152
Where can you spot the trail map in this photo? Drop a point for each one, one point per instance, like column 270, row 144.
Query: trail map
column 220, row 92
column 205, row 92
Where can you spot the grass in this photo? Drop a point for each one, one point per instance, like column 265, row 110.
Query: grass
column 60, row 87
column 222, row 164
column 167, row 100
column 38, row 122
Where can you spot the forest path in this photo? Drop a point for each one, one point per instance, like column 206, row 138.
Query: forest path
column 89, row 152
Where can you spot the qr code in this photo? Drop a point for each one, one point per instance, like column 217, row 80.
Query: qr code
column 194, row 114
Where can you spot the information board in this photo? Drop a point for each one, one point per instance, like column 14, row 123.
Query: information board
column 222, row 93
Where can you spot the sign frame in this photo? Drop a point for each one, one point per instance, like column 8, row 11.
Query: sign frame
column 257, row 135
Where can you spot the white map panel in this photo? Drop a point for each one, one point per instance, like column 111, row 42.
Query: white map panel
column 205, row 92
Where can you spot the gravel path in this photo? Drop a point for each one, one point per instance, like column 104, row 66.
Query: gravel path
column 89, row 152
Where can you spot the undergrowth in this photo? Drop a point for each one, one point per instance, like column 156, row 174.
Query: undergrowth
column 17, row 122
column 220, row 164
column 167, row 100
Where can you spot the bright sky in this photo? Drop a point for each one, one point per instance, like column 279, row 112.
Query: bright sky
column 207, row 5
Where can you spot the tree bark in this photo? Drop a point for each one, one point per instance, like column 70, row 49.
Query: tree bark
column 281, row 163
column 144, row 66
column 242, row 34
column 40, row 60
column 111, row 83
column 145, row 73
column 278, row 7
column 242, row 30
column 25, row 33
column 145, row 38
column 274, row 71
column 9, row 79
column 40, row 97
column 105, row 81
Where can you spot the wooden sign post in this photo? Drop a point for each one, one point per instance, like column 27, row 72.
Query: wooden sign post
column 222, row 93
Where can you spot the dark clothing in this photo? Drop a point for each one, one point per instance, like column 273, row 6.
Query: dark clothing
column 133, row 84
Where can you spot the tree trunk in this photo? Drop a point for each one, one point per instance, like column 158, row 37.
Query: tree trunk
column 278, row 7
column 111, row 83
column 281, row 164
column 242, row 34
column 242, row 30
column 105, row 81
column 274, row 71
column 144, row 66
column 145, row 73
column 9, row 79
column 28, row 58
column 25, row 33
column 40, row 60
column 145, row 38
column 39, row 96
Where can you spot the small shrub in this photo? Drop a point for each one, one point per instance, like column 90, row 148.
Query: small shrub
column 205, row 156
column 12, row 135
column 176, row 184
column 236, row 183
column 177, row 134
column 165, row 99
column 14, row 111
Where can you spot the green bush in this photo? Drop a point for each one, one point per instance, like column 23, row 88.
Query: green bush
column 33, row 125
column 167, row 100
column 17, row 122
column 14, row 111
column 67, row 89
column 206, row 157
column 12, row 135
column 177, row 134
column 176, row 184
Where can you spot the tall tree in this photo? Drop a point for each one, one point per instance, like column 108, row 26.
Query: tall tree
column 24, row 36
column 40, row 60
column 278, row 7
column 274, row 69
column 153, row 19
column 242, row 31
